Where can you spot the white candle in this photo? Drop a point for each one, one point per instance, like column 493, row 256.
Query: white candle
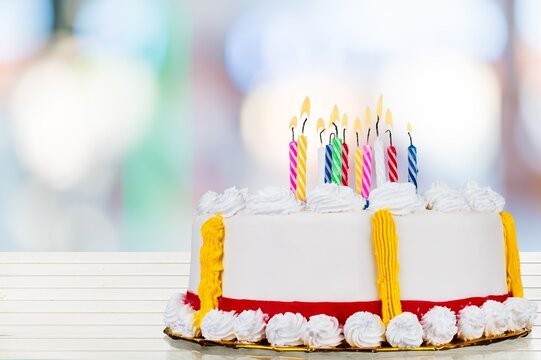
column 321, row 165
column 379, row 160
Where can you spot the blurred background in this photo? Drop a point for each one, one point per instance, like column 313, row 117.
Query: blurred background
column 117, row 115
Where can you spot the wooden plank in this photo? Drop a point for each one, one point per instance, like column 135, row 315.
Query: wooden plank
column 74, row 282
column 80, row 331
column 530, row 268
column 140, row 354
column 530, row 257
column 532, row 293
column 95, row 257
column 86, row 269
column 95, row 344
column 55, row 306
column 531, row 281
column 120, row 294
column 86, row 319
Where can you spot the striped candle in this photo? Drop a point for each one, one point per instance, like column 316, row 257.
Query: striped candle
column 337, row 161
column 379, row 162
column 367, row 170
column 345, row 163
column 412, row 165
column 328, row 164
column 293, row 166
column 358, row 170
column 392, row 164
column 301, row 168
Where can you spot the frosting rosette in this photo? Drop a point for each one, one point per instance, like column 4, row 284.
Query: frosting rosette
column 184, row 324
column 218, row 325
column 398, row 198
column 522, row 313
column 230, row 202
column 322, row 331
column 439, row 325
column 471, row 323
column 329, row 198
column 497, row 317
column 285, row 329
column 364, row 330
column 273, row 200
column 207, row 202
column 442, row 198
column 249, row 326
column 404, row 331
column 482, row 199
column 170, row 315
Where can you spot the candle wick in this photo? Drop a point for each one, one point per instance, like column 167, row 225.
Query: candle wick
column 411, row 141
column 304, row 123
column 390, row 136
column 377, row 127
column 335, row 128
column 368, row 135
column 344, row 135
column 357, row 135
column 331, row 136
column 292, row 134
column 321, row 136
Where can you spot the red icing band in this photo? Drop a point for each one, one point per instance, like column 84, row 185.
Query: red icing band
column 340, row 310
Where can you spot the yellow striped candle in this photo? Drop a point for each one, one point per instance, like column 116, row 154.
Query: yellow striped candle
column 301, row 152
column 358, row 158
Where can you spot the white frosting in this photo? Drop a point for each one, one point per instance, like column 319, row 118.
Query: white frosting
column 482, row 199
column 442, row 198
column 497, row 317
column 328, row 198
column 273, row 200
column 170, row 315
column 249, row 326
column 184, row 324
column 218, row 325
column 439, row 325
column 398, row 198
column 230, row 202
column 285, row 329
column 404, row 331
column 522, row 313
column 206, row 203
column 322, row 331
column 364, row 330
column 471, row 322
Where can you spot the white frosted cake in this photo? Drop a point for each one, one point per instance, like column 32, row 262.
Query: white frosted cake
column 407, row 271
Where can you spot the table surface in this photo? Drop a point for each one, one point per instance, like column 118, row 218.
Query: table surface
column 109, row 306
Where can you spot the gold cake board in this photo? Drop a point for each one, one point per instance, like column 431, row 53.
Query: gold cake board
column 344, row 347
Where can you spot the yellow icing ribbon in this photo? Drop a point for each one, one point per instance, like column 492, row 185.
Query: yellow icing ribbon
column 210, row 257
column 385, row 243
column 512, row 257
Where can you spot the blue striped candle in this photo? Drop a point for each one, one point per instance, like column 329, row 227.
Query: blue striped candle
column 328, row 164
column 412, row 165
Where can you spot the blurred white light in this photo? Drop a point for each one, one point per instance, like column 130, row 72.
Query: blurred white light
column 454, row 106
column 530, row 110
column 271, row 41
column 123, row 27
column 24, row 27
column 527, row 15
column 68, row 118
column 266, row 113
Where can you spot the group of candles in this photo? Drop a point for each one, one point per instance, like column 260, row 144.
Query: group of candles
column 333, row 158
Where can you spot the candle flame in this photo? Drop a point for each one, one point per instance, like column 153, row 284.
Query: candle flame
column 409, row 127
column 334, row 116
column 305, row 109
column 367, row 117
column 320, row 125
column 380, row 106
column 344, row 121
column 293, row 122
column 389, row 119
column 358, row 125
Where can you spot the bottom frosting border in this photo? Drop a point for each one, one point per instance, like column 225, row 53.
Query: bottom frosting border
column 344, row 347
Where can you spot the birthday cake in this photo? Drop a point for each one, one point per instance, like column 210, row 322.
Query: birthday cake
column 352, row 269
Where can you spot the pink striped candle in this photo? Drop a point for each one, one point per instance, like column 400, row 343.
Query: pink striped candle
column 293, row 166
column 367, row 171
column 345, row 163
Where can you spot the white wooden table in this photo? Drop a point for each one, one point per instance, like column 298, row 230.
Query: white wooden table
column 109, row 306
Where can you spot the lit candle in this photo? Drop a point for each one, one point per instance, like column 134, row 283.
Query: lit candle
column 412, row 159
column 367, row 157
column 328, row 160
column 345, row 152
column 379, row 155
column 293, row 157
column 392, row 164
column 336, row 149
column 321, row 153
column 301, row 153
column 358, row 158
